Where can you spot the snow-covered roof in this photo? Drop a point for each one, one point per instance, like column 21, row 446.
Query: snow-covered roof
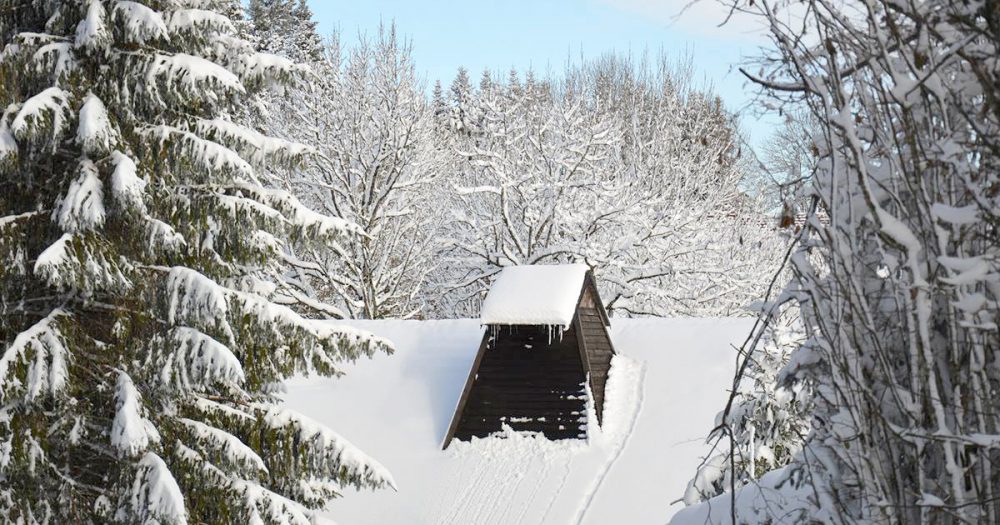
column 534, row 295
column 662, row 395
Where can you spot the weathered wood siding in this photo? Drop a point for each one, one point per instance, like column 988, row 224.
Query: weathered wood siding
column 527, row 383
column 596, row 344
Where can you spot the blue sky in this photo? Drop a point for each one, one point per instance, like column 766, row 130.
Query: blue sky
column 543, row 34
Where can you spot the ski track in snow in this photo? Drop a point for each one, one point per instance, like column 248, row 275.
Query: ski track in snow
column 490, row 486
column 555, row 495
column 530, row 501
column 443, row 513
column 460, row 481
column 621, row 445
column 533, row 491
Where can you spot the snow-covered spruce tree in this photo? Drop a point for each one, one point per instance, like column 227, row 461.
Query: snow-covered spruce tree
column 901, row 287
column 768, row 419
column 139, row 251
column 460, row 98
column 285, row 28
column 439, row 105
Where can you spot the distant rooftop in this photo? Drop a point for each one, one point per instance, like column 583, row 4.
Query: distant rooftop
column 534, row 295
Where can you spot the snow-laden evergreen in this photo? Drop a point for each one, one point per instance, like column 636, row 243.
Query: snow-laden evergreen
column 147, row 316
column 286, row 28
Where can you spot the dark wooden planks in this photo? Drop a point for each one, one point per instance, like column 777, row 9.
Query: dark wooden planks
column 464, row 398
column 529, row 379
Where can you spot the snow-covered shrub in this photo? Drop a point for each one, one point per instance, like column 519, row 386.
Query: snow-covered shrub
column 899, row 290
column 140, row 258
column 768, row 420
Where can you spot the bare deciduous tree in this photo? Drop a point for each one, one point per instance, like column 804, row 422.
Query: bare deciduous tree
column 621, row 165
column 368, row 116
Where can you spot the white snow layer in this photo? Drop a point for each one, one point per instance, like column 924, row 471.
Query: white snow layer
column 256, row 147
column 183, row 20
column 54, row 262
column 95, row 132
column 155, row 496
column 92, row 32
column 131, row 433
column 82, row 208
column 534, row 295
column 230, row 444
column 758, row 502
column 194, row 73
column 126, row 185
column 42, row 349
column 142, row 24
column 8, row 146
column 198, row 360
column 663, row 392
column 50, row 106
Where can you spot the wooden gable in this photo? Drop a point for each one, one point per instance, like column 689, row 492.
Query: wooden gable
column 595, row 341
column 532, row 378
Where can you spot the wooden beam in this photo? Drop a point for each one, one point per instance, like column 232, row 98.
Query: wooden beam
column 592, row 283
column 582, row 340
column 465, row 392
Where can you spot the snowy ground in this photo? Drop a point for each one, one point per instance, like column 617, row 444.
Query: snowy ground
column 662, row 398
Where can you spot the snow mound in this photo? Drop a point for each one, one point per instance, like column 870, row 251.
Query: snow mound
column 663, row 391
column 534, row 295
column 773, row 498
